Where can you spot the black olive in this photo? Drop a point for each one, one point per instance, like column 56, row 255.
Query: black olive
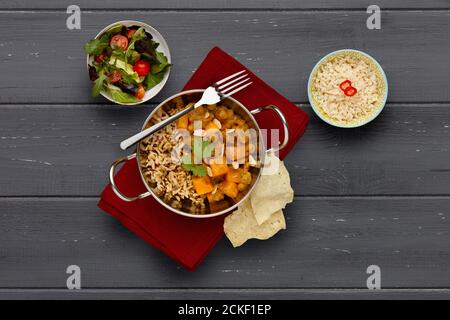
column 148, row 35
column 92, row 73
column 129, row 88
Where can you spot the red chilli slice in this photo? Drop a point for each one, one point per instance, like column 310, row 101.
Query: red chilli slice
column 345, row 85
column 350, row 91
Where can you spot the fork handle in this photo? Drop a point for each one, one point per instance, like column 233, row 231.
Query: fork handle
column 125, row 144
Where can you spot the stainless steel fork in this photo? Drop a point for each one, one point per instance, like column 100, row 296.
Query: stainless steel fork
column 213, row 94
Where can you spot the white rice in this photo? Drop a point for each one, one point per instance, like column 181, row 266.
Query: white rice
column 364, row 75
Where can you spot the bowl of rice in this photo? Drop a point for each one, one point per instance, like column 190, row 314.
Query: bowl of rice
column 347, row 88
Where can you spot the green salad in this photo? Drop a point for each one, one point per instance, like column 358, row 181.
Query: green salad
column 126, row 63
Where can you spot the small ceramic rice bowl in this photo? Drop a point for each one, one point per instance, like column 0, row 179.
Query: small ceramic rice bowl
column 328, row 83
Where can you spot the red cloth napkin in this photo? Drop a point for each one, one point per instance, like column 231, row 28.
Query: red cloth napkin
column 188, row 240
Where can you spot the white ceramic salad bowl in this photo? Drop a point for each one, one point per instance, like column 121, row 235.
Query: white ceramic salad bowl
column 163, row 47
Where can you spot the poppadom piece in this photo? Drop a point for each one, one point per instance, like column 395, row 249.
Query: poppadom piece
column 273, row 190
column 241, row 225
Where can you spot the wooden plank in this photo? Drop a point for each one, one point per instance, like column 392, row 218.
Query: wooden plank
column 281, row 47
column 329, row 243
column 225, row 4
column 232, row 294
column 66, row 151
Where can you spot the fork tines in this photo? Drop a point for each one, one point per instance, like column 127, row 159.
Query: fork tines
column 227, row 86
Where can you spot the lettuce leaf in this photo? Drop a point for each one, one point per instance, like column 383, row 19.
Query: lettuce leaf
column 131, row 54
column 120, row 96
column 96, row 46
column 98, row 83
column 157, row 72
column 114, row 30
column 163, row 63
column 152, row 80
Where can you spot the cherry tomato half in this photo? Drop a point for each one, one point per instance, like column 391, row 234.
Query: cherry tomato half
column 114, row 76
column 142, row 68
column 99, row 58
column 119, row 41
column 140, row 92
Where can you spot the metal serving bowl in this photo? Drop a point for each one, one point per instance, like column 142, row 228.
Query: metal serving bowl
column 194, row 95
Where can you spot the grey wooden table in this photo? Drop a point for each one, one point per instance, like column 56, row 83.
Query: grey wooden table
column 378, row 195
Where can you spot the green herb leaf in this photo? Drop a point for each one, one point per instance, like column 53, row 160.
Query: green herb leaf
column 119, row 53
column 123, row 97
column 158, row 70
column 138, row 35
column 152, row 80
column 96, row 46
column 98, row 83
column 114, row 30
column 149, row 58
column 196, row 170
column 199, row 171
column 163, row 63
column 132, row 55
column 147, row 47
column 126, row 78
column 120, row 96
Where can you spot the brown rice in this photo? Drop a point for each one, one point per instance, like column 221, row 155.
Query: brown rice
column 168, row 179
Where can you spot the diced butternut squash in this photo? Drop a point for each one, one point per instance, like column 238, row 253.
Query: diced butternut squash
column 202, row 185
column 183, row 122
column 233, row 175
column 219, row 169
column 229, row 188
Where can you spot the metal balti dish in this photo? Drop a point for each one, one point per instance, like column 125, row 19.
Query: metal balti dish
column 192, row 96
